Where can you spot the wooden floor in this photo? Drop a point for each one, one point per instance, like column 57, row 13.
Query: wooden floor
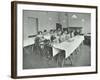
column 33, row 61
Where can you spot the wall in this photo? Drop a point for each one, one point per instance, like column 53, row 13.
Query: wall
column 63, row 19
column 81, row 20
column 30, row 25
column 46, row 20
column 5, row 41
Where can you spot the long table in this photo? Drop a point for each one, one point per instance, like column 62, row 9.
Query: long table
column 69, row 45
column 29, row 42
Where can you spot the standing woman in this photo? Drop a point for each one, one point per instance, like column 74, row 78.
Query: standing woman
column 36, row 47
column 40, row 35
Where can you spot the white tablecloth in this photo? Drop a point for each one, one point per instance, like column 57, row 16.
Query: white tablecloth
column 69, row 45
column 47, row 36
column 29, row 41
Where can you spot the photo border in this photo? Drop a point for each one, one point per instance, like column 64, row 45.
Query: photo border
column 14, row 37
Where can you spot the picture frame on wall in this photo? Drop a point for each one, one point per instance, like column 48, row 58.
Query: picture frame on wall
column 51, row 39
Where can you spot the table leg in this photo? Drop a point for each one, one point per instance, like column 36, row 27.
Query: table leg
column 61, row 58
column 70, row 60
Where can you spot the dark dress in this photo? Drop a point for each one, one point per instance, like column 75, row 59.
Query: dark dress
column 47, row 50
column 36, row 46
column 37, row 49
